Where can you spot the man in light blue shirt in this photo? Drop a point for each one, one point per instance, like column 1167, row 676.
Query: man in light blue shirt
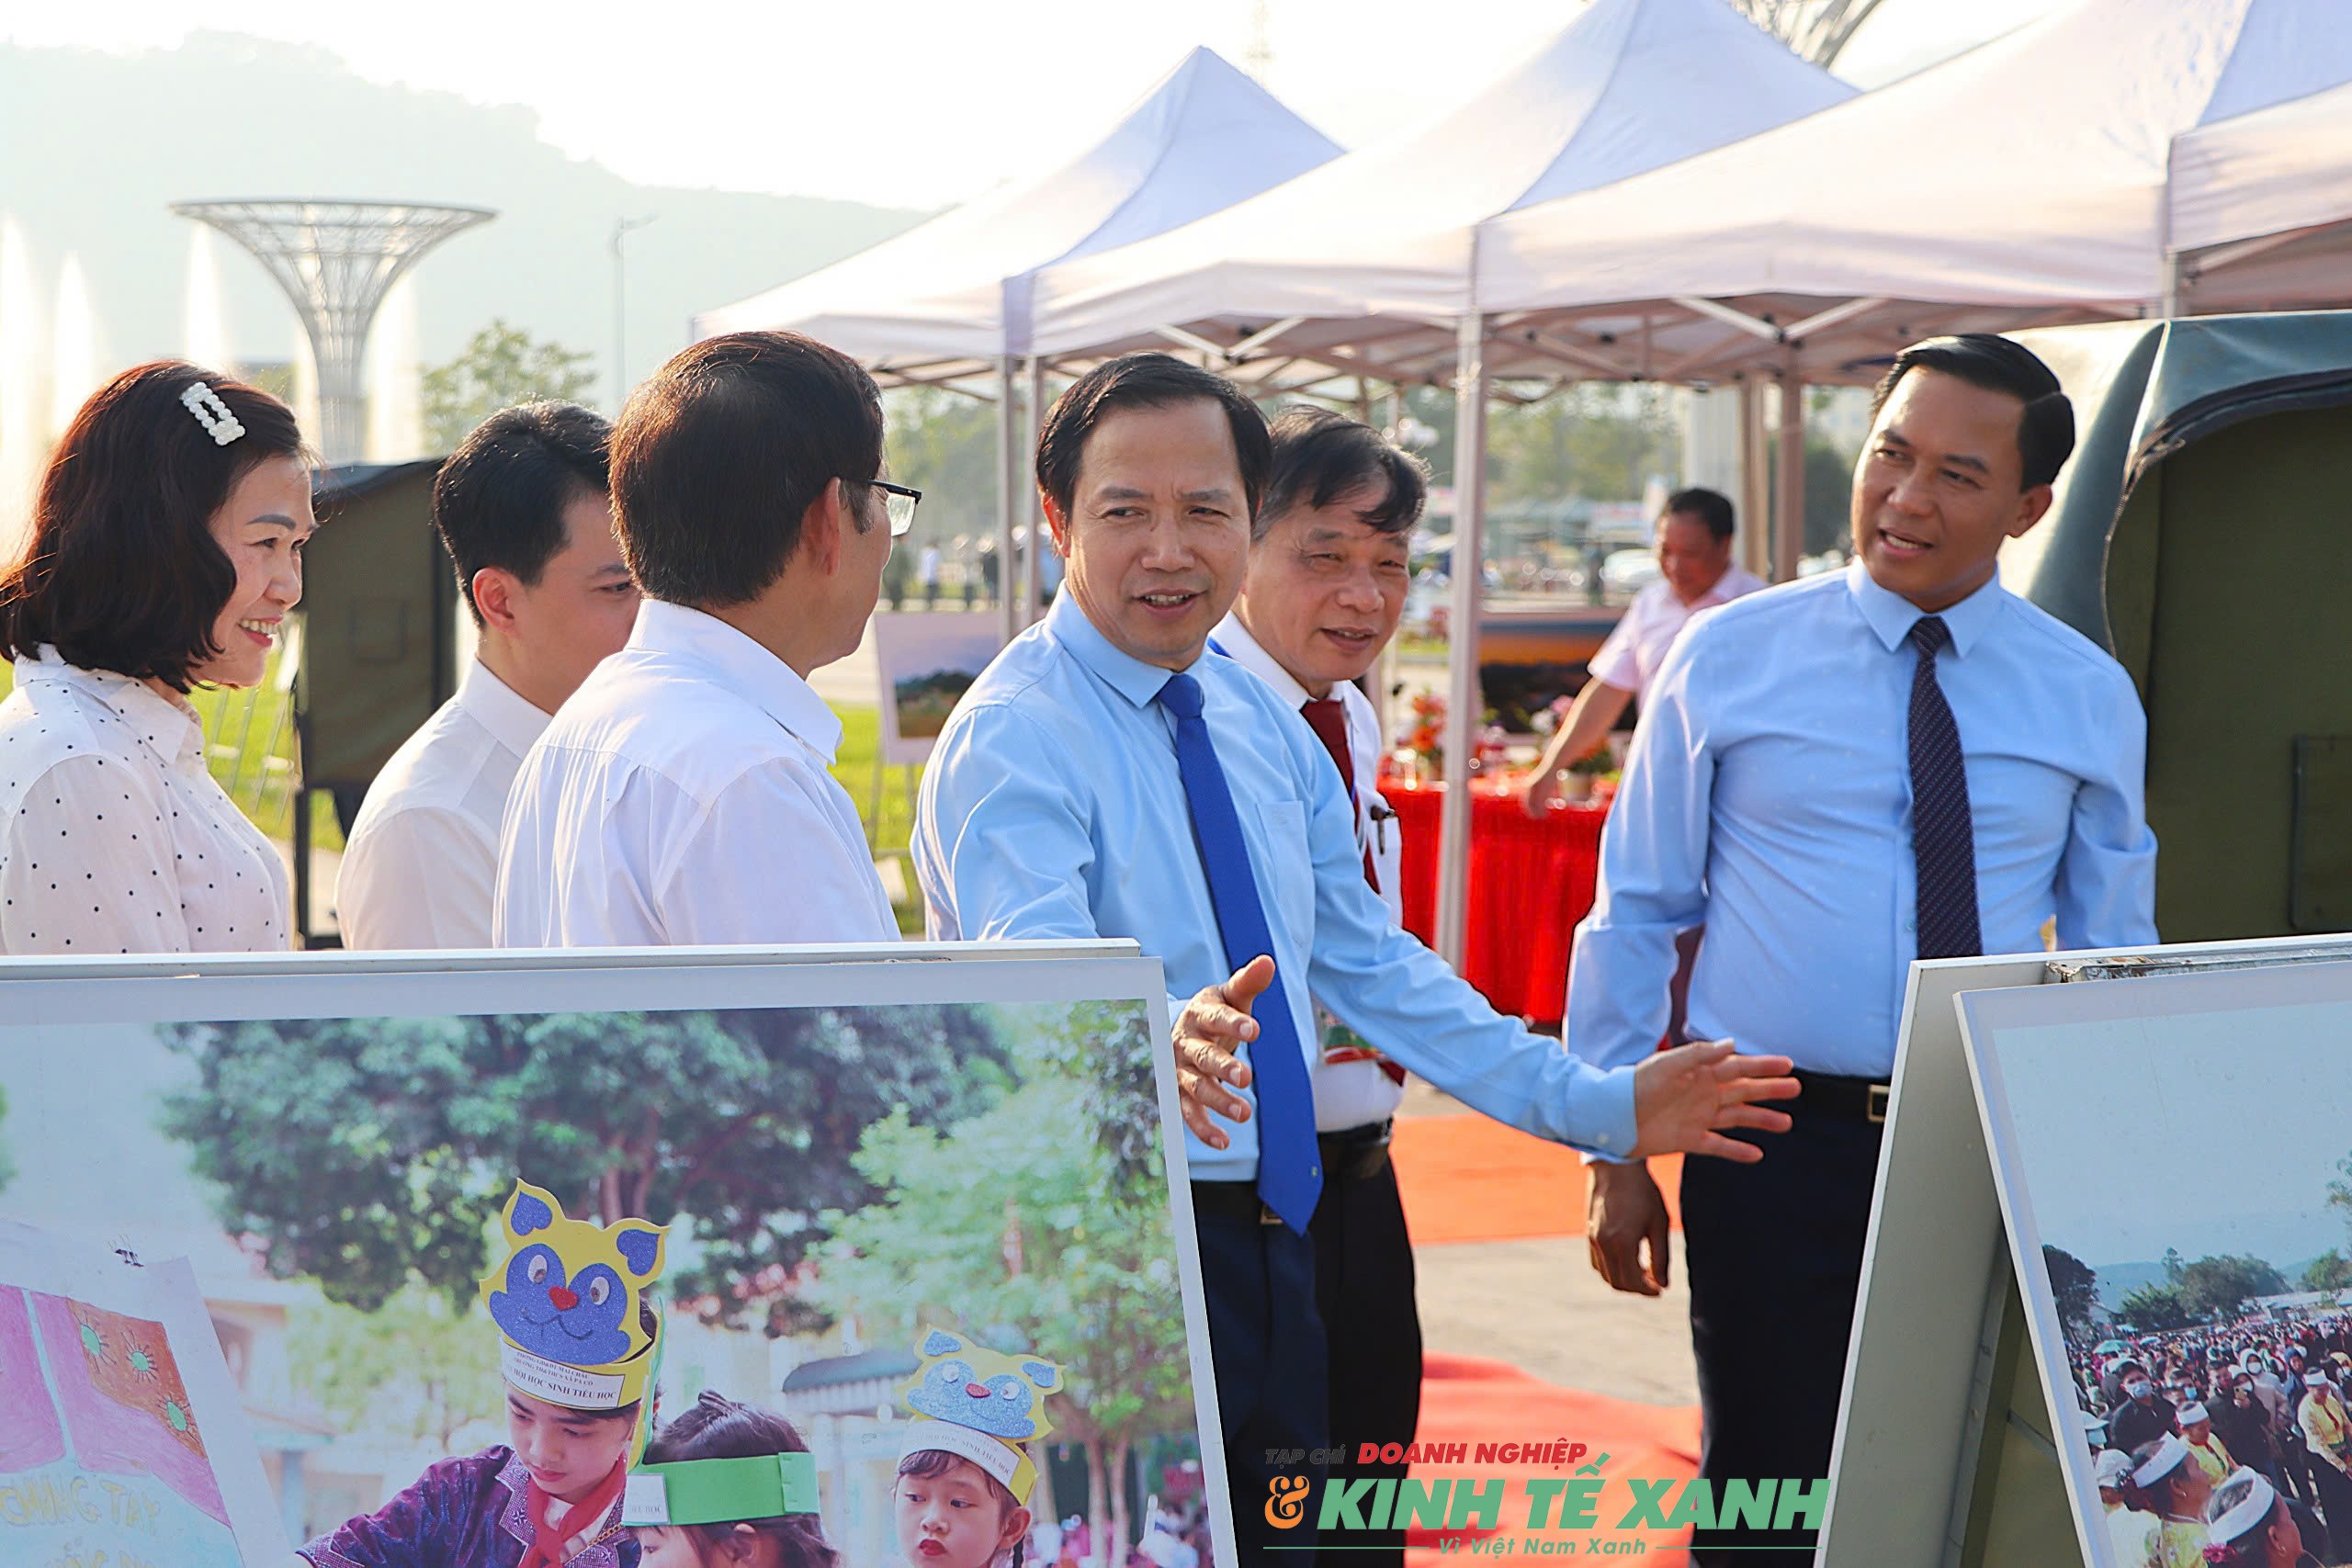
column 1057, row 803
column 1797, row 786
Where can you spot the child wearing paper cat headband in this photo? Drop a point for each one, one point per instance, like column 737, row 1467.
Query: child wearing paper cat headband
column 964, row 1471
column 579, row 1344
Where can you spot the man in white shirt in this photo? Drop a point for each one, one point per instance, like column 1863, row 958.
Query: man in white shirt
column 1695, row 572
column 522, row 508
column 1321, row 596
column 683, row 795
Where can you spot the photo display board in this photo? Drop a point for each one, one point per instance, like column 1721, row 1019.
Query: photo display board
column 1965, row 1435
column 859, row 1156
column 2173, row 1160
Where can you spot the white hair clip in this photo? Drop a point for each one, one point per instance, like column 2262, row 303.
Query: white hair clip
column 212, row 413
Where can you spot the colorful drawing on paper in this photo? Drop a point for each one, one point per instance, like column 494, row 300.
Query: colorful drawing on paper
column 101, row 1457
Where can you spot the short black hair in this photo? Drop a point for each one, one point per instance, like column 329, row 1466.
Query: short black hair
column 720, row 454
column 1712, row 507
column 1318, row 457
column 121, row 571
column 717, row 1428
column 499, row 500
column 2046, row 427
column 1146, row 380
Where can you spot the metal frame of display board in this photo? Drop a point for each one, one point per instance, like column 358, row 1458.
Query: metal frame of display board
column 1943, row 1453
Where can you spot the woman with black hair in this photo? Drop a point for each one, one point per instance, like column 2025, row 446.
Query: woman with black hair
column 167, row 551
column 773, row 1524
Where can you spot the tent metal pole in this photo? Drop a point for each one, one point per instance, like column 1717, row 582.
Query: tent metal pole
column 1033, row 570
column 1754, row 548
column 1007, row 489
column 1788, row 536
column 1464, row 702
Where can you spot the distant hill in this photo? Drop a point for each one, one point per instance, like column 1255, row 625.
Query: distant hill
column 97, row 146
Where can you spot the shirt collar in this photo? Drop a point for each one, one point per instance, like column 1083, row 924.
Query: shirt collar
column 1233, row 639
column 743, row 666
column 1892, row 617
column 1736, row 581
column 513, row 719
column 168, row 726
column 1125, row 673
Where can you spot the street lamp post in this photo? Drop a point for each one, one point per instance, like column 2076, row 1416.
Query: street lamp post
column 620, row 310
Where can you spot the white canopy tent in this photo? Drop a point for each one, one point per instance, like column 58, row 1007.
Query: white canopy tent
column 1367, row 263
column 2268, row 185
column 950, row 298
column 2024, row 181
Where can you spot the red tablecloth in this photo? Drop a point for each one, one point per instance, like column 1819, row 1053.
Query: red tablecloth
column 1530, row 882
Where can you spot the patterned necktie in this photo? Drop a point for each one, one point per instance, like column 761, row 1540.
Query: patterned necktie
column 1327, row 717
column 1943, row 835
column 1290, row 1177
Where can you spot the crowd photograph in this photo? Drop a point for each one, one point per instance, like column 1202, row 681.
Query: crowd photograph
column 1526, row 588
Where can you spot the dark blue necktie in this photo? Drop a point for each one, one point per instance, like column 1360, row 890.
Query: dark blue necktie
column 1943, row 835
column 1290, row 1176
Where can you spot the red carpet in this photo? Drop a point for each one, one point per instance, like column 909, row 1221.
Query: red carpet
column 1466, row 1399
column 1467, row 1178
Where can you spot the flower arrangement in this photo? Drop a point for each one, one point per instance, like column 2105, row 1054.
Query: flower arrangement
column 1424, row 730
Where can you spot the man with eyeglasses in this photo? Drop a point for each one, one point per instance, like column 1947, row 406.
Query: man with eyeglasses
column 683, row 796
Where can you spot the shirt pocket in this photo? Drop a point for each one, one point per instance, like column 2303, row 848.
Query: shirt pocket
column 1287, row 874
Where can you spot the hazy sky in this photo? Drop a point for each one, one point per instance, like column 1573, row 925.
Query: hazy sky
column 912, row 102
column 2214, row 1132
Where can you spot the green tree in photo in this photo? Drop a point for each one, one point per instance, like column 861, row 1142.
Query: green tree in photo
column 1016, row 1225
column 500, row 366
column 416, row 1367
column 2154, row 1306
column 2331, row 1271
column 2073, row 1283
column 2219, row 1287
column 366, row 1153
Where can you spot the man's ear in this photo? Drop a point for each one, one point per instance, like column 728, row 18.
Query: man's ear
column 495, row 589
column 822, row 524
column 1058, row 522
column 2031, row 505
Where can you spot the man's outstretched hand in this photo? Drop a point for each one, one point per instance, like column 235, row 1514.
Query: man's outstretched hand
column 1208, row 1033
column 1684, row 1097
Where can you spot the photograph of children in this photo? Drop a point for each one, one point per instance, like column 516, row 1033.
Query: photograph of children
column 2178, row 1171
column 468, row 1269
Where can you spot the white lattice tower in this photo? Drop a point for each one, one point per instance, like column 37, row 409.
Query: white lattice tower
column 1818, row 29
column 336, row 260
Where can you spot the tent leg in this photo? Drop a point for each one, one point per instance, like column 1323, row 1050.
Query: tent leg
column 1463, row 716
column 1755, row 493
column 1033, row 570
column 1788, row 533
column 1007, row 489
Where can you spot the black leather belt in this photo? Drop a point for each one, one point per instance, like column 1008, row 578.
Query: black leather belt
column 1829, row 1095
column 1232, row 1200
column 1355, row 1154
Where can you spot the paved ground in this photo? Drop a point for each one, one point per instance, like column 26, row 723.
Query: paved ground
column 1538, row 1304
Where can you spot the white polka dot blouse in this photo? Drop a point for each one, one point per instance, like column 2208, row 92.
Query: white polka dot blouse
column 113, row 836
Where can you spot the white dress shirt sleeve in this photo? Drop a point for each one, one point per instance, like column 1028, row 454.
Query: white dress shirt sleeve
column 1619, row 662
column 2106, row 878
column 81, row 879
column 767, row 863
column 1652, row 875
column 417, row 878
